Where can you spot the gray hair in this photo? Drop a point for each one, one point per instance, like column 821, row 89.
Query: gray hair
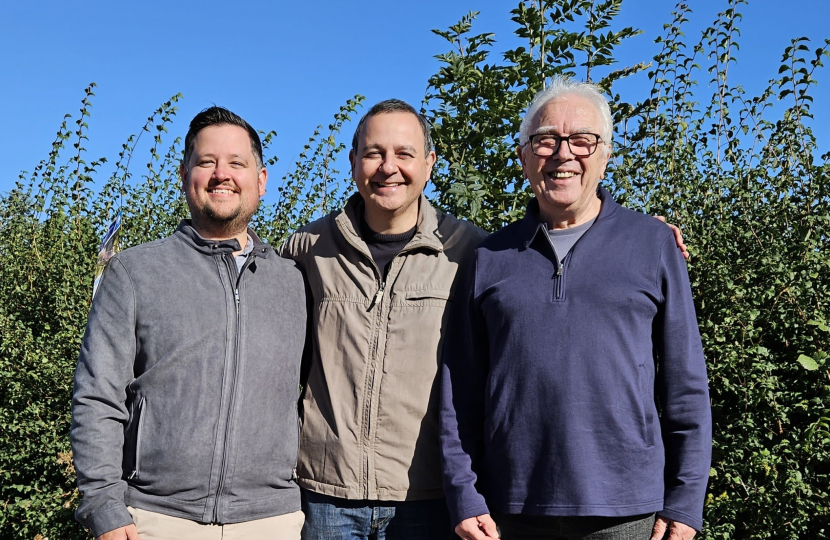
column 559, row 86
column 390, row 106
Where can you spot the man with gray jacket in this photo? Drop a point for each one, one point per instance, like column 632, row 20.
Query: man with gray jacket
column 184, row 418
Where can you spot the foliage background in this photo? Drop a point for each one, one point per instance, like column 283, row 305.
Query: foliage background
column 742, row 175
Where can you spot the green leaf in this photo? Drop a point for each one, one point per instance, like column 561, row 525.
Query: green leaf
column 807, row 363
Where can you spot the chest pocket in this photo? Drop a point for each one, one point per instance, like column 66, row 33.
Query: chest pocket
column 426, row 297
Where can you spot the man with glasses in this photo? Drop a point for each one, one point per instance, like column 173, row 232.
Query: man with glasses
column 574, row 396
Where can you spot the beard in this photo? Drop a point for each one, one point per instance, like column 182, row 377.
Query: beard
column 227, row 224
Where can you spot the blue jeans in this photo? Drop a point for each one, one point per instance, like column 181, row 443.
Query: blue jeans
column 332, row 518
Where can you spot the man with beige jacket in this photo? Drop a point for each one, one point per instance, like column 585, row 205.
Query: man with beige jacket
column 381, row 272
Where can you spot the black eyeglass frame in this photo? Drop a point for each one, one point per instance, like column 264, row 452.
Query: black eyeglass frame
column 559, row 144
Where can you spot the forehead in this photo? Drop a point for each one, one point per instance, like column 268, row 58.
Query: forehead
column 399, row 128
column 568, row 114
column 222, row 138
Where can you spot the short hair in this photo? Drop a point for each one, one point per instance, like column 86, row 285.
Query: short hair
column 559, row 86
column 390, row 106
column 220, row 116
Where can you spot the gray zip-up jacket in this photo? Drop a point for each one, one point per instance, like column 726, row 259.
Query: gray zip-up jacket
column 370, row 408
column 185, row 399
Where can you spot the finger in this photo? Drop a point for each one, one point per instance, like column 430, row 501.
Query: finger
column 468, row 531
column 132, row 533
column 661, row 218
column 681, row 531
column 488, row 526
column 659, row 529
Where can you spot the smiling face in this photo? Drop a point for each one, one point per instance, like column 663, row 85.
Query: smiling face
column 390, row 170
column 565, row 184
column 222, row 182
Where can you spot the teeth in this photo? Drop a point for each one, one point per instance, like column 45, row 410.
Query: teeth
column 221, row 191
column 563, row 174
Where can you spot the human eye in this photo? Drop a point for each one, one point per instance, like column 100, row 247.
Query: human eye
column 545, row 139
column 582, row 140
column 204, row 162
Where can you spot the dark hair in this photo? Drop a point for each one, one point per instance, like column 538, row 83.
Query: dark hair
column 390, row 106
column 219, row 116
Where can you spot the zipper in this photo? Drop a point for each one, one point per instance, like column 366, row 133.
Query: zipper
column 294, row 477
column 367, row 435
column 235, row 277
column 137, row 465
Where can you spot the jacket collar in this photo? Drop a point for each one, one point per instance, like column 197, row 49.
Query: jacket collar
column 426, row 232
column 532, row 225
column 188, row 234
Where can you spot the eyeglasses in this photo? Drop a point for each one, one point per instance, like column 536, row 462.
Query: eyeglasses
column 580, row 144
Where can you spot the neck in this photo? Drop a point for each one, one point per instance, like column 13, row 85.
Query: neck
column 572, row 217
column 392, row 223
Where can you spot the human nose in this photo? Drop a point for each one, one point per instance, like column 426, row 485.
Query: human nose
column 222, row 171
column 389, row 165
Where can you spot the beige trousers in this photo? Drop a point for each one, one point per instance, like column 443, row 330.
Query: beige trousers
column 155, row 526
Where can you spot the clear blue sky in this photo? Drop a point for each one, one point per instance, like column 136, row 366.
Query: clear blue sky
column 288, row 66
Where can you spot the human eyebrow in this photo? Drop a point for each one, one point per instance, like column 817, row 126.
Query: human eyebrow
column 198, row 158
column 371, row 148
column 546, row 130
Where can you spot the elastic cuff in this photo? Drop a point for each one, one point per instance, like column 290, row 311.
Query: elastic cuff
column 108, row 519
column 681, row 517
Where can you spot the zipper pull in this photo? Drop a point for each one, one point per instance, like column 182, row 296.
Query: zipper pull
column 560, row 269
column 236, row 296
column 378, row 296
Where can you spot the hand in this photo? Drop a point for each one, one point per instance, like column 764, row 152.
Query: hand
column 477, row 528
column 678, row 236
column 122, row 533
column 677, row 530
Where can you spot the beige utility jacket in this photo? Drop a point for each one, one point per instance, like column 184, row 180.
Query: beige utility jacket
column 370, row 407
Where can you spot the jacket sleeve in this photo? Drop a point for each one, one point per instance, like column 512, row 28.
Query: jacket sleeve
column 99, row 412
column 683, row 394
column 464, row 375
column 291, row 249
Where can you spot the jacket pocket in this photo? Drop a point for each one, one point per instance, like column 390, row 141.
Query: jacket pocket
column 427, row 297
column 646, row 418
column 135, row 440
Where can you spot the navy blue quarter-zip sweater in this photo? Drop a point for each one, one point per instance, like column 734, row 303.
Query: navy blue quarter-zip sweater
column 576, row 389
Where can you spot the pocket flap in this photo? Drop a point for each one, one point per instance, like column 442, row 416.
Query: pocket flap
column 427, row 294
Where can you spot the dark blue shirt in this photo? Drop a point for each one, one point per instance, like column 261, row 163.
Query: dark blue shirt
column 580, row 388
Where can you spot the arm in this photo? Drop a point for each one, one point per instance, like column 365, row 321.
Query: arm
column 291, row 249
column 683, row 394
column 99, row 412
column 464, row 374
